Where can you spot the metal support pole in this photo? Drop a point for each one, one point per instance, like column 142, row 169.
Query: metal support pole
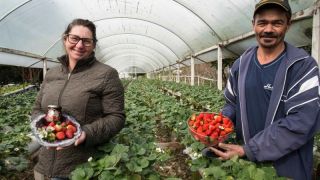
column 178, row 73
column 170, row 74
column 198, row 80
column 316, row 34
column 163, row 74
column 192, row 71
column 44, row 67
column 219, row 68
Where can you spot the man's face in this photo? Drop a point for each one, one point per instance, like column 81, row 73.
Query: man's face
column 270, row 27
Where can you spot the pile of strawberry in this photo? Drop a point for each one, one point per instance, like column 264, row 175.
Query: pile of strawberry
column 57, row 130
column 210, row 128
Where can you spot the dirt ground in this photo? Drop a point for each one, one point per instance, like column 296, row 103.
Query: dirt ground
column 177, row 166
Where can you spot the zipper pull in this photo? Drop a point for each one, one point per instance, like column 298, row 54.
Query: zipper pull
column 69, row 74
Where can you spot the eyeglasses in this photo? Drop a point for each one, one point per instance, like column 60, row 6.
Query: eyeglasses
column 74, row 39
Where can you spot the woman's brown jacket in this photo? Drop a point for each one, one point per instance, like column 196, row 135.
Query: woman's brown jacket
column 93, row 94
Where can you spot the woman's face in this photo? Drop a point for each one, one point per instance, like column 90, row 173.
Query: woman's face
column 79, row 43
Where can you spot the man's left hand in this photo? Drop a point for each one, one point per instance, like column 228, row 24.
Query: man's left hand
column 229, row 150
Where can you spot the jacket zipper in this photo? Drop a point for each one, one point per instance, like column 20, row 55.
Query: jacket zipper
column 64, row 87
column 59, row 100
column 285, row 79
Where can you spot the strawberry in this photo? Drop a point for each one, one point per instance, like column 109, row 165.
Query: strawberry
column 60, row 135
column 201, row 115
column 52, row 124
column 191, row 123
column 69, row 133
column 227, row 130
column 225, row 120
column 74, row 129
column 214, row 135
column 223, row 133
column 58, row 127
column 199, row 130
column 193, row 117
column 208, row 132
column 68, row 122
column 205, row 127
column 218, row 119
column 64, row 124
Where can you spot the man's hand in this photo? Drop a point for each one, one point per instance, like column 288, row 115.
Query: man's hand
column 230, row 150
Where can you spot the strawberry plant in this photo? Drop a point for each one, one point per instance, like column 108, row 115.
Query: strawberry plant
column 11, row 88
column 14, row 130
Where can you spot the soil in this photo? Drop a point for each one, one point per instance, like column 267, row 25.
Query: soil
column 25, row 175
column 177, row 166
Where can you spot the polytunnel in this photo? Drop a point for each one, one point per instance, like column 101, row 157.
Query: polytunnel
column 148, row 119
column 143, row 35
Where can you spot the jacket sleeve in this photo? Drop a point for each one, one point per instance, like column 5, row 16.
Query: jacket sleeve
column 298, row 125
column 230, row 95
column 113, row 119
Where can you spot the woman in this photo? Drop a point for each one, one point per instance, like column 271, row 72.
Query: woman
column 86, row 89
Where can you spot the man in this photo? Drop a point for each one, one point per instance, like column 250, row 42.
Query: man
column 272, row 96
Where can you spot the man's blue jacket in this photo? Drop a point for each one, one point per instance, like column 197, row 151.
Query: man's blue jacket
column 292, row 118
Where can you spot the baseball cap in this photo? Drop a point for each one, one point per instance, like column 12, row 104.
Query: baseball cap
column 282, row 3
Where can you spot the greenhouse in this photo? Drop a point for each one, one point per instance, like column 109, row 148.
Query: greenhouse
column 175, row 61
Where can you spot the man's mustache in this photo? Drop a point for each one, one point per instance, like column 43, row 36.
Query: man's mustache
column 269, row 35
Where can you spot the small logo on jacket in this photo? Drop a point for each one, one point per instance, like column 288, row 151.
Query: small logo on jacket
column 268, row 87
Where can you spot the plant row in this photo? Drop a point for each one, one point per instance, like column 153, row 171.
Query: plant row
column 152, row 118
column 147, row 106
column 204, row 98
column 133, row 153
column 10, row 88
column 14, row 130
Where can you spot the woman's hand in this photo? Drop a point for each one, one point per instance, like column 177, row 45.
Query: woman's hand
column 81, row 139
column 229, row 150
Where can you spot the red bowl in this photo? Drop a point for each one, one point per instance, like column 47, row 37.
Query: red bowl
column 210, row 140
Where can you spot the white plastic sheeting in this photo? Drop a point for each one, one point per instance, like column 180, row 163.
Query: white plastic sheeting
column 137, row 35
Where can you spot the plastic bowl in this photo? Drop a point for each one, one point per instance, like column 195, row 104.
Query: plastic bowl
column 205, row 139
column 40, row 120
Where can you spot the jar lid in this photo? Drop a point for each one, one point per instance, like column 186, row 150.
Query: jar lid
column 54, row 106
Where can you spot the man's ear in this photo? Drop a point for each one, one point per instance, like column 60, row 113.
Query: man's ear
column 289, row 25
column 252, row 23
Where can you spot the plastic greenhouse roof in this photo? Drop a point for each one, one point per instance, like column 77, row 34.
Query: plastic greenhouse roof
column 139, row 35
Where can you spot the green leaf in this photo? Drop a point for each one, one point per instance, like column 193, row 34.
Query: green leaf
column 216, row 172
column 106, row 175
column 153, row 177
column 143, row 162
column 260, row 175
column 120, row 149
column 16, row 163
column 133, row 167
column 82, row 174
column 134, row 177
column 108, row 162
column 251, row 170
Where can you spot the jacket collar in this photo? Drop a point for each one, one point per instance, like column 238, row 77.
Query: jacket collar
column 81, row 64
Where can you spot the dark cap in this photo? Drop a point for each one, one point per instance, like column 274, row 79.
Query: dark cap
column 284, row 4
